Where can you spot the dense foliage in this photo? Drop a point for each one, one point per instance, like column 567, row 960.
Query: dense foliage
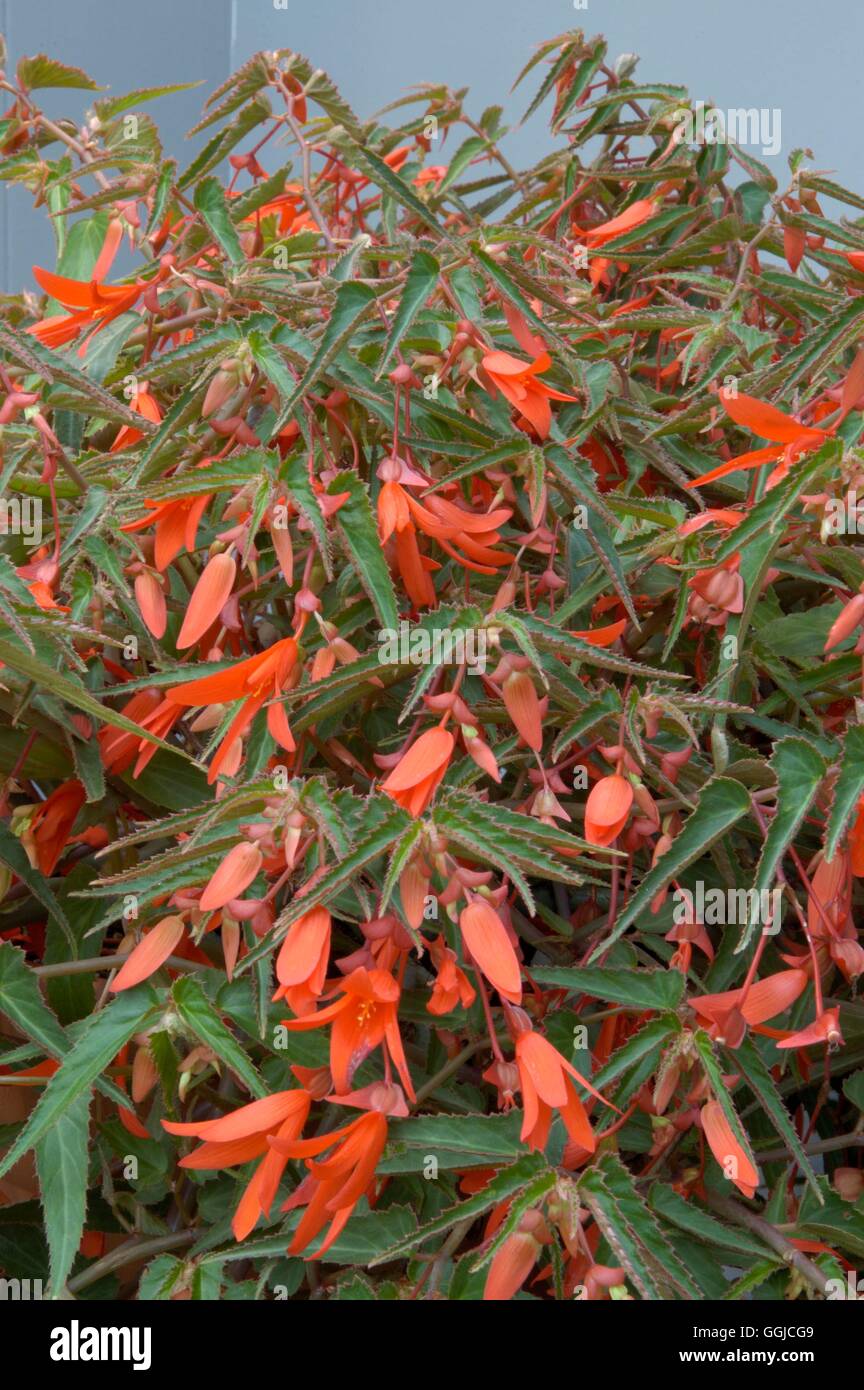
column 431, row 634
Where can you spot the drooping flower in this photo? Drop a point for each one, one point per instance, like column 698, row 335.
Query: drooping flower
column 512, row 1264
column 152, row 951
column 301, row 965
column 253, row 681
column 150, row 597
column 207, row 599
column 523, row 706
column 547, row 1084
column 50, row 825
column 519, row 384
column 233, row 876
column 730, row 1152
column 336, row 1184
column 824, row 1029
column 415, row 778
column 145, row 404
column 769, row 423
column 452, row 986
column 88, row 302
column 176, row 523
column 241, row 1136
column 363, row 1018
column 491, row 949
column 607, row 809
column 730, row 1013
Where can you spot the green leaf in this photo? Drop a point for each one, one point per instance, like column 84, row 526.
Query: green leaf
column 467, row 151
column 853, row 1089
column 478, row 1139
column 421, row 281
column 799, row 769
column 503, row 1185
column 14, row 856
column 269, row 359
column 387, row 179
column 22, row 1001
column 646, row 1045
column 748, row 1060
column 607, row 1189
column 689, row 1216
column 353, row 301
column 61, row 1165
column 48, row 679
column 295, row 476
column 42, row 71
column 159, row 1279
column 210, row 201
column 96, row 1046
column 83, row 244
column 638, row 989
column 720, row 1091
column 530, row 1196
column 837, row 1222
column 722, row 803
column 201, row 1018
column 355, row 521
column 108, row 107
column 847, row 789
column 331, row 881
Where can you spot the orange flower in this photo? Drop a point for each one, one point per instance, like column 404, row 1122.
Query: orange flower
column 517, row 382
column 602, row 636
column 301, row 965
column 253, row 681
column 146, row 405
column 731, row 1012
column 51, row 823
column 467, row 537
column 151, row 952
column 176, row 525
column 824, row 1029
column 518, row 1255
column 89, row 302
column 607, row 809
column 545, row 1078
column 491, row 949
column 523, row 706
column 235, row 873
column 735, row 1160
column 118, row 749
column 452, row 985
column 769, row 423
column 241, row 1136
column 849, row 617
column 631, row 217
column 150, row 597
column 365, row 1017
column 595, row 237
column 334, row 1186
column 208, row 598
column 415, row 778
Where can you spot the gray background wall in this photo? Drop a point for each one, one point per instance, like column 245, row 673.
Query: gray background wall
column 800, row 57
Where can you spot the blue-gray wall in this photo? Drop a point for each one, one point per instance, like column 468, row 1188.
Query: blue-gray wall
column 798, row 56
